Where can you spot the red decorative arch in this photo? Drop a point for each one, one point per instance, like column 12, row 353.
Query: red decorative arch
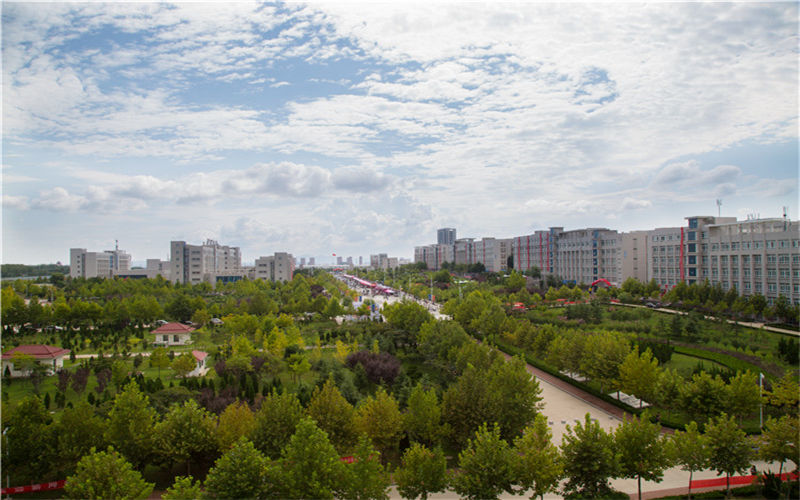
column 601, row 280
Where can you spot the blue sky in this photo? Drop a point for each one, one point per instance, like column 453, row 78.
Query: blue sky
column 361, row 128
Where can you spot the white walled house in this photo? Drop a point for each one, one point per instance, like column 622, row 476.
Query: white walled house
column 50, row 356
column 172, row 334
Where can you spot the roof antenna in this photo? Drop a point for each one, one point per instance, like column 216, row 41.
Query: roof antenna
column 116, row 245
column 719, row 207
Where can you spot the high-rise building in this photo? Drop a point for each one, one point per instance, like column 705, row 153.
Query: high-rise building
column 83, row 264
column 278, row 267
column 198, row 263
column 446, row 236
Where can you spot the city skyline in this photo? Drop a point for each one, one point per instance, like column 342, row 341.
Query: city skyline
column 321, row 129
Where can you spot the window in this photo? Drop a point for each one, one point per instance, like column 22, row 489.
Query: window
column 165, row 338
column 770, row 243
column 692, row 259
column 175, row 338
column 756, row 260
column 783, row 244
column 704, row 247
column 757, row 245
column 714, row 247
column 771, row 258
column 746, row 260
column 692, row 247
column 691, row 235
column 734, row 260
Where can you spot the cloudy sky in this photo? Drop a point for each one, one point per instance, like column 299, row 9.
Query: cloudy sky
column 355, row 128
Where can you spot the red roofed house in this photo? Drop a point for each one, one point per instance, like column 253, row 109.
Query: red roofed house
column 201, row 368
column 50, row 356
column 173, row 334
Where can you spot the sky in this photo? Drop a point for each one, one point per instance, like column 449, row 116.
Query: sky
column 361, row 128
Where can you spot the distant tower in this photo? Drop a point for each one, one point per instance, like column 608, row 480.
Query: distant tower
column 446, row 236
column 719, row 207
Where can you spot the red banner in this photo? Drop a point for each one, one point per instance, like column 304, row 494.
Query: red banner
column 53, row 485
column 735, row 480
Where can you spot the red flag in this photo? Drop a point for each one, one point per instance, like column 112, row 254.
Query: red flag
column 334, row 255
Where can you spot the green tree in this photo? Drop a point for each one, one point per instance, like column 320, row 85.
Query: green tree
column 365, row 478
column 539, row 467
column 380, row 419
column 131, row 422
column 158, row 359
column 25, row 452
column 422, row 420
column 106, row 474
column 241, row 472
column 590, row 459
column 422, row 472
column 778, row 441
column 642, row 451
column 690, row 450
column 235, row 422
column 743, row 394
column 638, row 374
column 77, row 431
column 729, row 448
column 603, row 353
column 183, row 364
column 668, row 389
column 276, row 422
column 310, row 464
column 333, row 414
column 486, row 466
column 704, row 396
column 515, row 281
column 186, row 433
column 183, row 488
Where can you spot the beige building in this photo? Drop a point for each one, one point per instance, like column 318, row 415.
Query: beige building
column 278, row 267
column 198, row 263
column 84, row 264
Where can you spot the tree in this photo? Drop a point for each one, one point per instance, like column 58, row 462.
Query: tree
column 186, row 433
column 729, row 448
column 379, row 418
column 486, row 466
column 241, row 472
column 276, row 422
column 77, row 431
column 131, row 423
column 642, row 452
column 106, row 474
column 310, row 464
column 423, row 418
column 235, row 422
column 183, row 364
column 778, row 441
column 365, row 478
column 638, row 374
column 183, row 488
column 589, row 459
column 159, row 359
column 515, row 281
column 744, row 395
column 422, row 472
column 333, row 414
column 602, row 355
column 690, row 450
column 539, row 467
column 704, row 396
column 25, row 452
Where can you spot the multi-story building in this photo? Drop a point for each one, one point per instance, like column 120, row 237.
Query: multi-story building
column 535, row 250
column 278, row 267
column 634, row 256
column 756, row 256
column 198, row 263
column 154, row 268
column 586, row 255
column 446, row 236
column 434, row 255
column 83, row 264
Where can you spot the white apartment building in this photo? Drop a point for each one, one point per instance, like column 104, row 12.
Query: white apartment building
column 278, row 267
column 535, row 250
column 434, row 255
column 106, row 264
column 446, row 236
column 757, row 256
column 382, row 261
column 586, row 255
column 153, row 268
column 198, row 263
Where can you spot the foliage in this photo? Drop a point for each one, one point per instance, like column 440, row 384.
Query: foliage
column 539, row 467
column 704, row 396
column 778, row 441
column 158, row 359
column 131, row 423
column 183, row 364
column 311, row 465
column 106, row 474
column 590, row 459
column 642, row 451
column 275, row 422
column 183, row 488
column 638, row 374
column 365, row 478
column 381, row 368
column 77, row 431
column 729, row 448
column 333, row 414
column 24, row 449
column 690, row 450
column 241, row 472
column 423, row 418
column 186, row 432
column 422, row 472
column 235, row 422
column 486, row 466
column 743, row 394
column 379, row 418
